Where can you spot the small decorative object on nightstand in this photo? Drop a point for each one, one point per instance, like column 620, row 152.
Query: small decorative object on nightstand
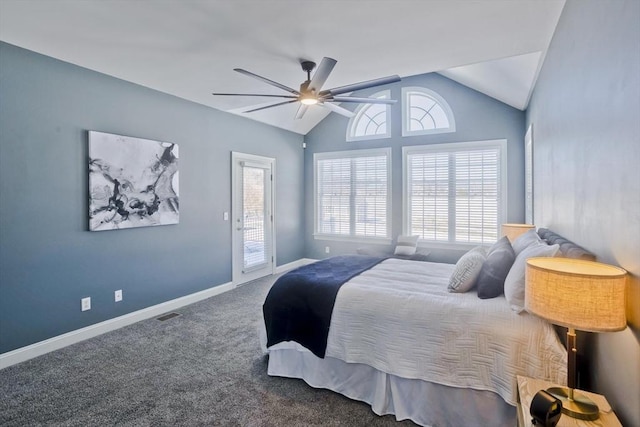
column 545, row 409
column 527, row 389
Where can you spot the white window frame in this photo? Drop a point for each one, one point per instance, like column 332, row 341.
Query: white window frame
column 501, row 144
column 350, row 154
column 406, row 110
column 359, row 112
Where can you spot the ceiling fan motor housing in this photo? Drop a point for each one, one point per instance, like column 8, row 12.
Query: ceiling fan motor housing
column 307, row 96
column 308, row 66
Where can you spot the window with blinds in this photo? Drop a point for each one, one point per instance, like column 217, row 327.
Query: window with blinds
column 352, row 193
column 455, row 193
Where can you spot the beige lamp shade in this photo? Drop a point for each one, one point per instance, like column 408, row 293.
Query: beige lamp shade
column 579, row 294
column 512, row 231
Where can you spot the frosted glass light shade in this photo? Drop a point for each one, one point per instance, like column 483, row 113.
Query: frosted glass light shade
column 579, row 294
column 512, row 231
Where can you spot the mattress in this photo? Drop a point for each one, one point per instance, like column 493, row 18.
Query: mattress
column 399, row 319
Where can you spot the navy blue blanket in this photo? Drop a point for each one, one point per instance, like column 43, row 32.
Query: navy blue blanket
column 300, row 303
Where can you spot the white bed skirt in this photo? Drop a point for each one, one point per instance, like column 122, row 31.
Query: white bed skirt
column 425, row 403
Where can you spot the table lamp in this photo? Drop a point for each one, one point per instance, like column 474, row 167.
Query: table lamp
column 576, row 294
column 512, row 231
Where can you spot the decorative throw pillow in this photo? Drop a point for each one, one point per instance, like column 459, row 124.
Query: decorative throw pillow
column 529, row 237
column 467, row 269
column 500, row 243
column 514, row 284
column 406, row 245
column 500, row 258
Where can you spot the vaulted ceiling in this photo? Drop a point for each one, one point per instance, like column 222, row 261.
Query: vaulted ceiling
column 189, row 48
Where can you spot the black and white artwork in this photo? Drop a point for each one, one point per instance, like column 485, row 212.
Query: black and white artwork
column 133, row 182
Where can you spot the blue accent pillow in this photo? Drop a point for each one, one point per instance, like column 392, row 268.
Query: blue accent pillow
column 500, row 258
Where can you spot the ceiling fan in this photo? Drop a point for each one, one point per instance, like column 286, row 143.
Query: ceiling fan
column 310, row 92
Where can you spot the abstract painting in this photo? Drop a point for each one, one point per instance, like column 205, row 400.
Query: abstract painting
column 133, row 182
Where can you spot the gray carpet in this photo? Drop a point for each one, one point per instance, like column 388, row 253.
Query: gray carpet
column 204, row 367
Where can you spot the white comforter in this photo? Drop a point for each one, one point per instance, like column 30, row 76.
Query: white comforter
column 399, row 318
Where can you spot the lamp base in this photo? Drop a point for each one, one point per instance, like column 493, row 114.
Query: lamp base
column 579, row 406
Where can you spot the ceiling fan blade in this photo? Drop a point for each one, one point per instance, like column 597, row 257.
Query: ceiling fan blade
column 270, row 106
column 255, row 94
column 322, row 73
column 266, row 80
column 337, row 109
column 361, row 100
column 301, row 110
column 362, row 85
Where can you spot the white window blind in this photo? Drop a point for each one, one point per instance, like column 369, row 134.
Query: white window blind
column 353, row 194
column 454, row 192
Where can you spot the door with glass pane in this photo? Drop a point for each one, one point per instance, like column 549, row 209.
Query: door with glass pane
column 252, row 199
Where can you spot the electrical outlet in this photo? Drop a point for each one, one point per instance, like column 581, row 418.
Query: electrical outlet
column 327, row 249
column 118, row 295
column 225, row 216
column 85, row 304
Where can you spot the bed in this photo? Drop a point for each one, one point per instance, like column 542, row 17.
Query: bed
column 401, row 341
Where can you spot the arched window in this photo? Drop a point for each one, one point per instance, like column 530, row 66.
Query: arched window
column 425, row 112
column 371, row 121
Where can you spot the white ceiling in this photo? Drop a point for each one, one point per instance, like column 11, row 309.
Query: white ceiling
column 189, row 48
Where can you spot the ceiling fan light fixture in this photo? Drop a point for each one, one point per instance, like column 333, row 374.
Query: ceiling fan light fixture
column 309, row 100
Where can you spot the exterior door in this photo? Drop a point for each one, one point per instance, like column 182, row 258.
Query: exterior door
column 253, row 217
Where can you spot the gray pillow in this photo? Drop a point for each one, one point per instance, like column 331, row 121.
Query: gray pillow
column 467, row 269
column 500, row 243
column 500, row 258
column 514, row 284
column 529, row 237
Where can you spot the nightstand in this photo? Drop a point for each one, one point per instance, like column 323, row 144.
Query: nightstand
column 528, row 387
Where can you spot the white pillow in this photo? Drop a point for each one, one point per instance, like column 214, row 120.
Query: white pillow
column 467, row 269
column 514, row 283
column 529, row 237
column 406, row 245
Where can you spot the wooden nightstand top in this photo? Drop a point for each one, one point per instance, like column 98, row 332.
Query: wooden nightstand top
column 528, row 387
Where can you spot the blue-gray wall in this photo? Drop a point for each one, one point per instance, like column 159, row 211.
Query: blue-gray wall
column 477, row 116
column 585, row 112
column 48, row 259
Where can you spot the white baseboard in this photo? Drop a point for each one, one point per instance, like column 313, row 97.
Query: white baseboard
column 294, row 264
column 38, row 349
column 55, row 343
